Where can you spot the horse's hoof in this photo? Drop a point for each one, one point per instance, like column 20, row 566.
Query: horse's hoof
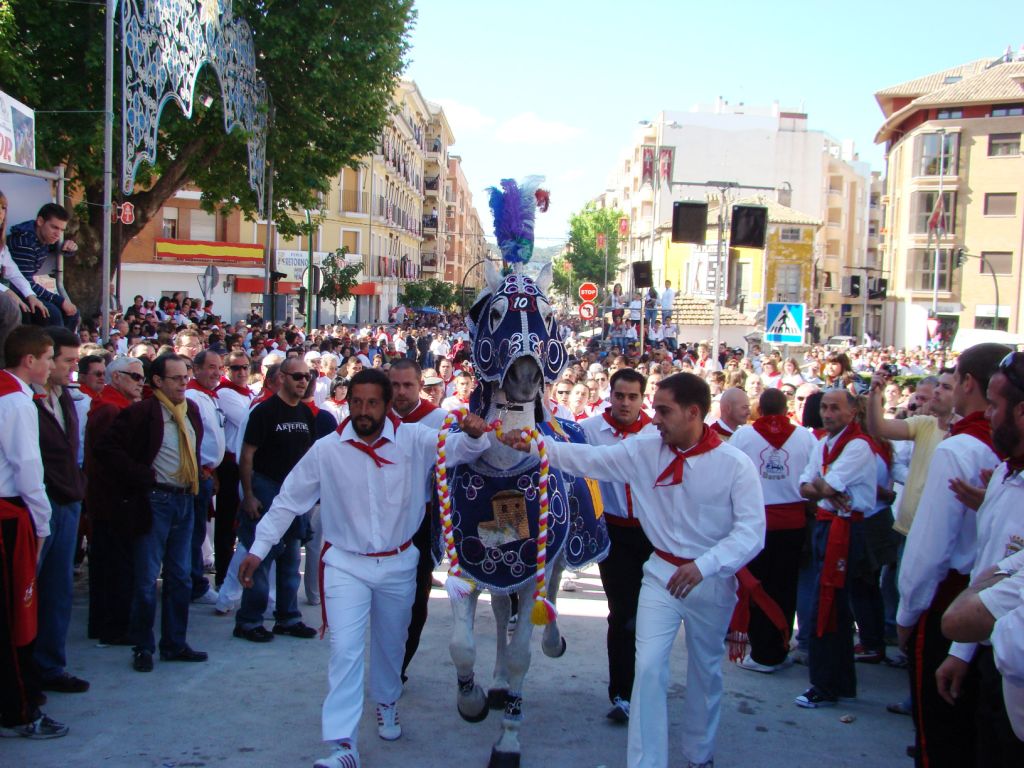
column 473, row 707
column 503, row 759
column 556, row 653
column 496, row 698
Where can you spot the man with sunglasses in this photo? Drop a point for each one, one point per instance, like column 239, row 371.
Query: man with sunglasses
column 279, row 432
column 110, row 554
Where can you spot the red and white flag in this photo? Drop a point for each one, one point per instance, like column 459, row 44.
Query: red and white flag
column 936, row 221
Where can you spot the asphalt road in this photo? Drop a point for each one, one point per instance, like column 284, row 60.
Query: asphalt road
column 259, row 705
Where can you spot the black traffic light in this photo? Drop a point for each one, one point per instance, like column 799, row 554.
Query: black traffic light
column 878, row 288
column 276, row 276
column 851, row 286
column 961, row 257
column 300, row 300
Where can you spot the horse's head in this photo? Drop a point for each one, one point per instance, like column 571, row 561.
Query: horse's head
column 516, row 343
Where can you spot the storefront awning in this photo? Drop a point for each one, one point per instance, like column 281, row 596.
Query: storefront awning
column 365, row 289
column 205, row 252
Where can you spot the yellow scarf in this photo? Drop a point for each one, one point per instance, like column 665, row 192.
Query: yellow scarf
column 188, row 469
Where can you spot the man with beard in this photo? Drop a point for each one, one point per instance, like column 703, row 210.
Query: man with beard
column 1000, row 531
column 279, row 432
column 939, row 554
column 371, row 479
column 410, row 408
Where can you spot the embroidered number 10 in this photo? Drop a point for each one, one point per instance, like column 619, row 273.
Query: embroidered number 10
column 523, row 303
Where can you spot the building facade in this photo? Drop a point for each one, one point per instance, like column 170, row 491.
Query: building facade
column 954, row 136
column 465, row 245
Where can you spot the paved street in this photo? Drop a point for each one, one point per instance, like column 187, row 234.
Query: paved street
column 259, row 705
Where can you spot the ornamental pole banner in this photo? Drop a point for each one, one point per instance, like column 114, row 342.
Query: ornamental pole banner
column 17, row 133
column 647, row 170
column 163, row 48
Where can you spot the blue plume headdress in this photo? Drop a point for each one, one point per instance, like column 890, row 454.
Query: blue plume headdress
column 514, row 207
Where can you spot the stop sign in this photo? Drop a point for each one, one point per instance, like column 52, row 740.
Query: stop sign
column 588, row 292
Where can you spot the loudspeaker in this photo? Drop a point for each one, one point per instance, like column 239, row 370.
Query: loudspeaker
column 642, row 274
column 689, row 223
column 749, row 225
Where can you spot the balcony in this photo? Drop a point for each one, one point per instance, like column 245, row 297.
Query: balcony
column 431, row 184
column 430, row 224
column 428, row 261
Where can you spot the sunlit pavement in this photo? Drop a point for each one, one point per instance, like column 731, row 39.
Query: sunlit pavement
column 259, row 705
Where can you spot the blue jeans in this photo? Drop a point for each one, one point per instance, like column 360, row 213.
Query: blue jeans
column 55, row 582
column 666, row 315
column 56, row 318
column 167, row 544
column 200, row 584
column 649, row 315
column 287, row 556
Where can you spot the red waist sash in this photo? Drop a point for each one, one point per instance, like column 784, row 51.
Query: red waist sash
column 785, row 517
column 323, row 596
column 833, row 570
column 23, row 560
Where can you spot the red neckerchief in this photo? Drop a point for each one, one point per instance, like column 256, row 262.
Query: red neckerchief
column 226, row 383
column 9, row 383
column 619, row 431
column 722, row 431
column 819, row 432
column 195, row 385
column 976, row 425
column 419, row 412
column 262, row 397
column 883, row 450
column 673, row 474
column 313, row 407
column 110, row 396
column 371, row 450
column 774, row 429
column 87, row 391
column 848, row 435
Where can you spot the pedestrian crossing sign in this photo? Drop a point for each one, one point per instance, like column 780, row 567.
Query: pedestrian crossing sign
column 784, row 323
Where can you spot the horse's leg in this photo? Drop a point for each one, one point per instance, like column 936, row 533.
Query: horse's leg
column 551, row 641
column 505, row 753
column 471, row 701
column 501, row 605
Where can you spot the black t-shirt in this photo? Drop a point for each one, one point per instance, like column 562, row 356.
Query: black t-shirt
column 282, row 434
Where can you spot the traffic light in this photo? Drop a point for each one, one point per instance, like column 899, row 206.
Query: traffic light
column 276, row 276
column 851, row 286
column 878, row 288
column 961, row 257
column 300, row 300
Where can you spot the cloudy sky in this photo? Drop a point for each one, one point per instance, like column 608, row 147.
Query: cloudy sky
column 557, row 88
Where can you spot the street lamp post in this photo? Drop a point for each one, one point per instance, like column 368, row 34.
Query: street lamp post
column 939, row 228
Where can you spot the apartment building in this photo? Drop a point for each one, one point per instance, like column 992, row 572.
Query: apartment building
column 464, row 245
column 954, row 135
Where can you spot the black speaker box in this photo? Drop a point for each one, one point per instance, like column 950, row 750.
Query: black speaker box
column 642, row 274
column 749, row 226
column 689, row 222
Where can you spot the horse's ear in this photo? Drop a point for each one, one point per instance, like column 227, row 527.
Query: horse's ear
column 492, row 274
column 543, row 281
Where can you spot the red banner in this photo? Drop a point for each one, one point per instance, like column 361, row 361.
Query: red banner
column 666, row 158
column 647, row 174
column 602, row 241
column 623, row 226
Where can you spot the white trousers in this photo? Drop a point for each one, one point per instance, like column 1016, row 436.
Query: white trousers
column 361, row 590
column 311, row 572
column 705, row 614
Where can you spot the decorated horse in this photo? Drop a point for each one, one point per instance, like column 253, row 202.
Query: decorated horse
column 510, row 522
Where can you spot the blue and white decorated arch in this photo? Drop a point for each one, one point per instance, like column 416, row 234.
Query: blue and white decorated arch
column 165, row 44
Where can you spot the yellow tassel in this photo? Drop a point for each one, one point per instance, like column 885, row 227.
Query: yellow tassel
column 543, row 613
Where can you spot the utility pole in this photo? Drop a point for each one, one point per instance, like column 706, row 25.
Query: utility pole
column 108, row 167
column 939, row 226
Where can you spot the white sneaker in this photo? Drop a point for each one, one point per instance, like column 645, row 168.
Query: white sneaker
column 765, row 669
column 570, row 585
column 388, row 727
column 345, row 756
column 224, row 606
column 207, row 598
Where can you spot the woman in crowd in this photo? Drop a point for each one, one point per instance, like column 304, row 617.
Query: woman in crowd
column 791, row 372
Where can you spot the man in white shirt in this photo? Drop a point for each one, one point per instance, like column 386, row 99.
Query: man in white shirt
column 371, row 480
column 235, row 397
column 463, row 389
column 668, row 297
column 202, row 390
column 939, row 555
column 779, row 451
column 840, row 478
column 24, row 508
column 328, row 368
column 622, row 571
column 11, row 305
column 734, row 406
column 702, row 533
column 1000, row 533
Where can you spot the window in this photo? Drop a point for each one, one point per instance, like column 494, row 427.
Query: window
column 949, row 114
column 1009, row 110
column 1000, row 204
column 924, row 205
column 1003, row 144
column 202, row 225
column 921, row 269
column 787, row 282
column 832, row 248
column 990, row 324
column 930, row 161
column 790, row 234
column 835, row 185
column 999, row 262
column 169, row 230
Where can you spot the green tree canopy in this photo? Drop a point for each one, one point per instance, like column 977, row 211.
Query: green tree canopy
column 330, row 68
column 339, row 278
column 429, row 293
column 588, row 262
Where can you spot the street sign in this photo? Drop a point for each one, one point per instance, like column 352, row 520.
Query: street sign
column 587, row 310
column 588, row 292
column 127, row 213
column 785, row 323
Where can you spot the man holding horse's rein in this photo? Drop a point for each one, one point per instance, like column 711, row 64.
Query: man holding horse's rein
column 700, row 503
column 370, row 478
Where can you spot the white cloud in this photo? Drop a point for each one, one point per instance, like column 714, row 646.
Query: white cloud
column 529, row 128
column 463, row 117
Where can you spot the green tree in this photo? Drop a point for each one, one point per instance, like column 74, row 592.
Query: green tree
column 339, row 278
column 429, row 293
column 561, row 278
column 330, row 68
column 588, row 262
